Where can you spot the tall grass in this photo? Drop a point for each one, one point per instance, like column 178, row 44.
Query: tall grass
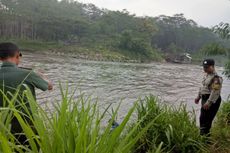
column 74, row 127
column 221, row 129
column 174, row 129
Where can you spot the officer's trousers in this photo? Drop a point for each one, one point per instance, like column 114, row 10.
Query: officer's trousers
column 17, row 131
column 207, row 116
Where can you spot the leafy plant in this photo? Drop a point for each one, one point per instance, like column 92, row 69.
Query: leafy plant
column 220, row 132
column 174, row 129
column 73, row 127
column 213, row 49
column 227, row 69
column 223, row 29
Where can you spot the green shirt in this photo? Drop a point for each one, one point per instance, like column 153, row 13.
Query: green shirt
column 12, row 77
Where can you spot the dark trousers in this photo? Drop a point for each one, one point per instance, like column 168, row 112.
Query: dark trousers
column 207, row 116
column 19, row 134
column 17, row 131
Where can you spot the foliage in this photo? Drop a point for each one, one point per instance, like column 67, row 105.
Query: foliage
column 173, row 49
column 183, row 33
column 174, row 129
column 213, row 49
column 136, row 45
column 74, row 126
column 221, row 135
column 223, row 29
column 224, row 115
column 227, row 69
column 85, row 25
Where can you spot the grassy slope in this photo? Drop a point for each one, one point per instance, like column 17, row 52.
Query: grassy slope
column 90, row 52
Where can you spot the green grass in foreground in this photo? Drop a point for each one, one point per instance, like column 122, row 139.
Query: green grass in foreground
column 221, row 130
column 75, row 127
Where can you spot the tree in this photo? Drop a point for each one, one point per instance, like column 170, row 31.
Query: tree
column 223, row 29
column 213, row 49
column 182, row 32
column 72, row 22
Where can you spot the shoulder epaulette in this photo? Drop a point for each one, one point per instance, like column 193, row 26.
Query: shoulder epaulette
column 25, row 68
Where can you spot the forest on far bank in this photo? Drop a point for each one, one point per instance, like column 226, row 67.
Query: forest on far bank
column 72, row 23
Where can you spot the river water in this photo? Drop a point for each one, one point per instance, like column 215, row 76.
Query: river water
column 113, row 83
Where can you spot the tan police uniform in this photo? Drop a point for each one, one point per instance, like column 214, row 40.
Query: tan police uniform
column 211, row 85
column 210, row 93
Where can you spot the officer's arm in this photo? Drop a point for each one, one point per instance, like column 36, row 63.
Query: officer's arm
column 199, row 93
column 50, row 85
column 215, row 90
column 39, row 82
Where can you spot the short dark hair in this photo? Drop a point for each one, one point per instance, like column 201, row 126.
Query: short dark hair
column 8, row 49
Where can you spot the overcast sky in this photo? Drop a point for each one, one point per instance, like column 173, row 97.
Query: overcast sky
column 205, row 12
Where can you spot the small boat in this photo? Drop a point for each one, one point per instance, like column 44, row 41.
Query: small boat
column 184, row 58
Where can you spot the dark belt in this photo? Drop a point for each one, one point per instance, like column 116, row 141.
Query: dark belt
column 205, row 97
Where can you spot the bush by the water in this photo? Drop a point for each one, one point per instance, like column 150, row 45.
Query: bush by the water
column 227, row 69
column 221, row 130
column 214, row 49
column 174, row 129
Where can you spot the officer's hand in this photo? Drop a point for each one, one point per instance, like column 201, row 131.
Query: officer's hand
column 197, row 100
column 50, row 86
column 206, row 106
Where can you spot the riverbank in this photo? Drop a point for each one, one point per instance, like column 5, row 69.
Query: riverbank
column 97, row 52
column 92, row 51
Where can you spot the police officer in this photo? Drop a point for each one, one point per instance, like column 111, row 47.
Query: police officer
column 12, row 78
column 209, row 94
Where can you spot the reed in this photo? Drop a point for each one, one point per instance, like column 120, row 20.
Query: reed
column 75, row 126
column 174, row 129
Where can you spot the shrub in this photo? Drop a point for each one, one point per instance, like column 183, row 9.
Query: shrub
column 227, row 69
column 174, row 129
column 221, row 135
column 213, row 49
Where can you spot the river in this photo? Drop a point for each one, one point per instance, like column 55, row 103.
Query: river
column 113, row 82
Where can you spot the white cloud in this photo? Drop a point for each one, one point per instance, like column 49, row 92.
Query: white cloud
column 205, row 12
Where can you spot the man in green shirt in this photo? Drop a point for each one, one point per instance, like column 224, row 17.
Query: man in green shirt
column 13, row 78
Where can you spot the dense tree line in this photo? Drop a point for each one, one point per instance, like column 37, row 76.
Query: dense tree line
column 181, row 32
column 85, row 24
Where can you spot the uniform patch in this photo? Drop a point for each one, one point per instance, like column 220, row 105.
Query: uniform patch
column 216, row 85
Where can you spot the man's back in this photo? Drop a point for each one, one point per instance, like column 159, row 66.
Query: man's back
column 12, row 78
